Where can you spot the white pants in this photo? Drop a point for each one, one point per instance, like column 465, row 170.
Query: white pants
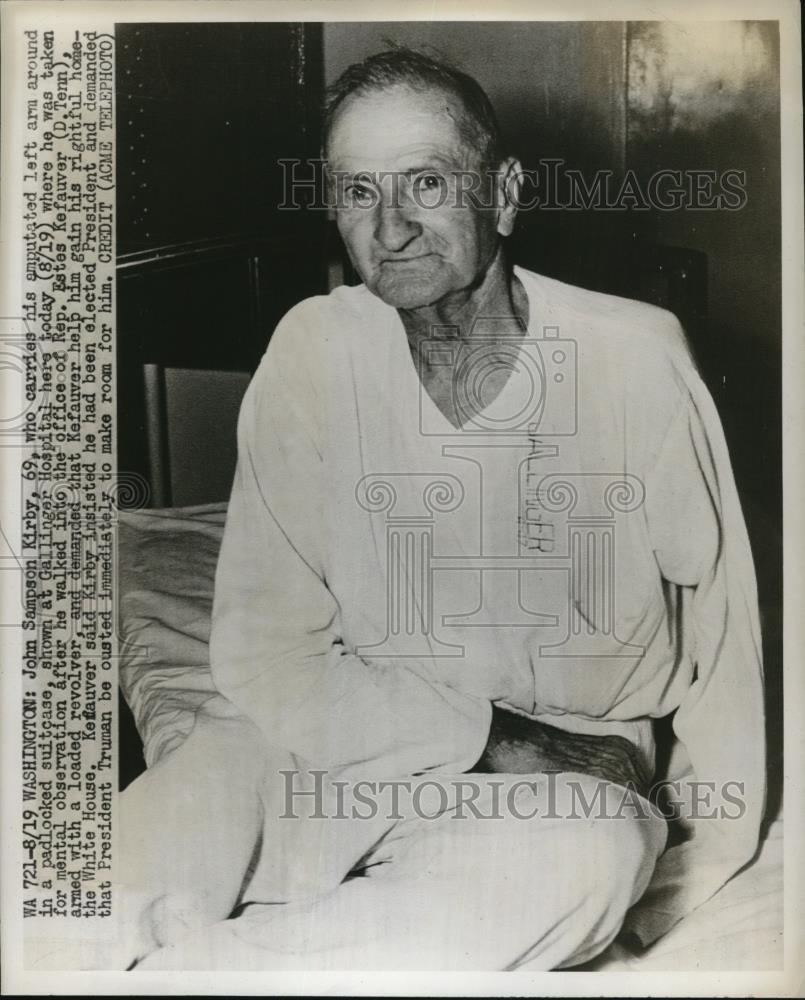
column 438, row 890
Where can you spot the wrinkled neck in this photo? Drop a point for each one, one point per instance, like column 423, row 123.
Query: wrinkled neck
column 497, row 305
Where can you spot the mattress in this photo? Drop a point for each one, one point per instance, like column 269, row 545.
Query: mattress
column 166, row 567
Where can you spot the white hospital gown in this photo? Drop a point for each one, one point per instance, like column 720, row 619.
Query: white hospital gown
column 576, row 552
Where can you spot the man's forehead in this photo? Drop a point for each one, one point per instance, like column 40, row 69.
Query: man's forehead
column 398, row 128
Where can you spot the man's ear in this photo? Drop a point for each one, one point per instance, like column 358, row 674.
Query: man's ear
column 331, row 192
column 509, row 183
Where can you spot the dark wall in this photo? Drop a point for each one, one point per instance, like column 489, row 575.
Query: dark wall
column 203, row 113
column 549, row 82
column 711, row 102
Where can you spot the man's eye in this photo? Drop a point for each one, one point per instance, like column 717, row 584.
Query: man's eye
column 429, row 189
column 359, row 194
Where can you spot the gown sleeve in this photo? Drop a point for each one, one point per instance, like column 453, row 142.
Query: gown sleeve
column 701, row 545
column 276, row 651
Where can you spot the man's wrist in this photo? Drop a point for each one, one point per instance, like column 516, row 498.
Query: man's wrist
column 508, row 733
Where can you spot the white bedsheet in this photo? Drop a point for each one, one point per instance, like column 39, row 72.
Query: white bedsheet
column 166, row 568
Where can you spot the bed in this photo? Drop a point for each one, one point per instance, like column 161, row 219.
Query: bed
column 167, row 561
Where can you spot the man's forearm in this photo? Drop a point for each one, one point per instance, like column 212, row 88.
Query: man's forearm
column 518, row 745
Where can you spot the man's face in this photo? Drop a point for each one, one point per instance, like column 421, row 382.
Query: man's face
column 398, row 157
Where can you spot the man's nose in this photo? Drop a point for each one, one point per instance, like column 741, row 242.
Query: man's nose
column 396, row 227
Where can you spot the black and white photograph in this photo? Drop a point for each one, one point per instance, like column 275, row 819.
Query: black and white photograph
column 421, row 543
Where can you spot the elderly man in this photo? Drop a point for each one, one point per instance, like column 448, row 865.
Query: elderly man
column 483, row 527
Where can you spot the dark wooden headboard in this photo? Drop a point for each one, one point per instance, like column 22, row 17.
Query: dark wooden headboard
column 206, row 307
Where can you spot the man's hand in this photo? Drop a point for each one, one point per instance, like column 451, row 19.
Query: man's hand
column 518, row 745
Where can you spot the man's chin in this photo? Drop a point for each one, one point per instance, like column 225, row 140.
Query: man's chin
column 408, row 294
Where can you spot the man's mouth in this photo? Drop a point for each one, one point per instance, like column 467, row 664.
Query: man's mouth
column 406, row 260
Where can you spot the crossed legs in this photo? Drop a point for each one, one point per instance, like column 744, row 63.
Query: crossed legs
column 436, row 893
column 441, row 892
